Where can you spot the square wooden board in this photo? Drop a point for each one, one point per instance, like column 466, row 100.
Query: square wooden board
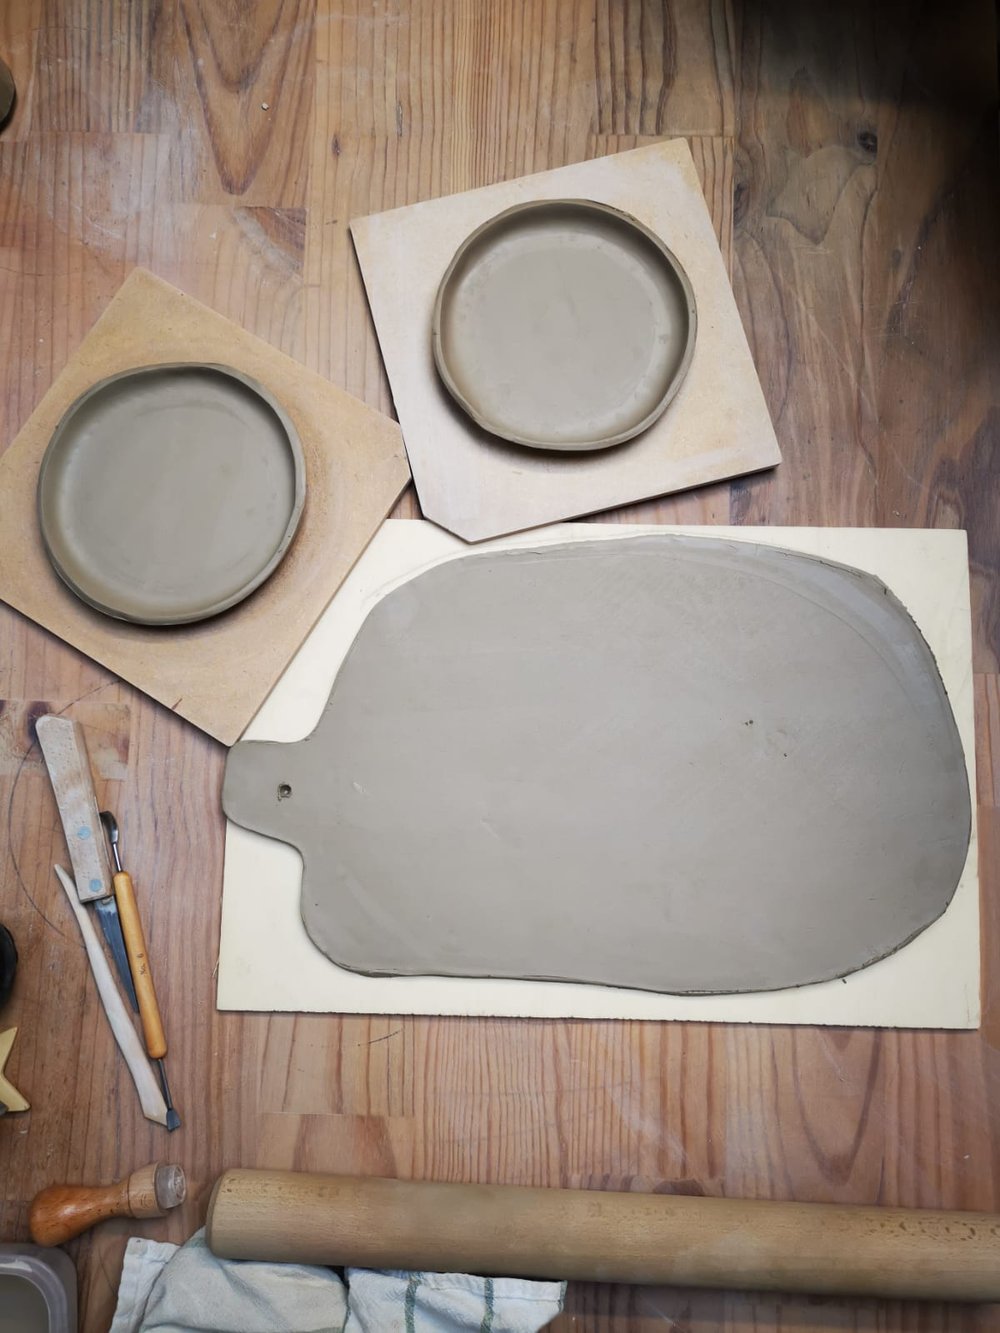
column 267, row 961
column 477, row 486
column 218, row 672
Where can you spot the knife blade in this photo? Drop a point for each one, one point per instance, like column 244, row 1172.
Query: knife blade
column 64, row 750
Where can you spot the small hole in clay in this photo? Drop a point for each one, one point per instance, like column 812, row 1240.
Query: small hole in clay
column 284, row 791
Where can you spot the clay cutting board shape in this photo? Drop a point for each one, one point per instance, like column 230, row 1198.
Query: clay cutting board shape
column 678, row 764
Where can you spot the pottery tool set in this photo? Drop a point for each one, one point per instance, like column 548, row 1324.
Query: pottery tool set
column 113, row 899
column 64, row 750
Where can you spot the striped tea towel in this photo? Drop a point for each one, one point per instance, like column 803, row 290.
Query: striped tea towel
column 186, row 1289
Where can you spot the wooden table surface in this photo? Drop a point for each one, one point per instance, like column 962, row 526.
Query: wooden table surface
column 849, row 158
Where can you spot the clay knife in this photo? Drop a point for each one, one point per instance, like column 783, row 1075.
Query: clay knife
column 65, row 753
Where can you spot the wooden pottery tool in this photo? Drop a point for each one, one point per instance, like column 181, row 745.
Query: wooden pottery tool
column 10, row 1098
column 60, row 1212
column 669, row 763
column 138, row 957
column 151, row 1098
column 595, row 1236
column 64, row 750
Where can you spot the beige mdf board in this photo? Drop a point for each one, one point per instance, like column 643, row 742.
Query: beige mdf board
column 215, row 673
column 479, row 486
column 268, row 962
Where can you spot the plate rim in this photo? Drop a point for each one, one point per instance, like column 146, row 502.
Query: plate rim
column 584, row 205
column 295, row 449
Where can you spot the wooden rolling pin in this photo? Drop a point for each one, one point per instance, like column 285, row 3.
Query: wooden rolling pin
column 826, row 1249
column 63, row 1211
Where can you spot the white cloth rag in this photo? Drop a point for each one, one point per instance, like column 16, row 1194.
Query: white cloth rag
column 186, row 1289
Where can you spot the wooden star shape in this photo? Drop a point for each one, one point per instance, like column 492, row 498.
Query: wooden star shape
column 9, row 1095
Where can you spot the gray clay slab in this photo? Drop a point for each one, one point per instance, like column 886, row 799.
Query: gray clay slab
column 169, row 493
column 564, row 324
column 673, row 763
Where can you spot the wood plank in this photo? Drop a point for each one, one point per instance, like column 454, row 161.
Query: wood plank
column 237, row 99
column 523, row 89
column 665, row 69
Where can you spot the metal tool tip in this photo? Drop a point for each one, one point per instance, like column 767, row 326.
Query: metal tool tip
column 111, row 825
column 173, row 1120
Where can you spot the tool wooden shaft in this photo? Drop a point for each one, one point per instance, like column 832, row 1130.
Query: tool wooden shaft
column 138, row 957
column 63, row 1211
column 150, row 1097
column 605, row 1237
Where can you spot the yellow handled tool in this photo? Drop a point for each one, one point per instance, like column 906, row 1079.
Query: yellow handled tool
column 138, row 961
column 138, row 958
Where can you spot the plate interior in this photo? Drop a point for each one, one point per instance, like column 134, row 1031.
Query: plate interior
column 564, row 325
column 170, row 493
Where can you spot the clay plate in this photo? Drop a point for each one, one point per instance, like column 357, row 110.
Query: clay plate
column 564, row 324
column 169, row 493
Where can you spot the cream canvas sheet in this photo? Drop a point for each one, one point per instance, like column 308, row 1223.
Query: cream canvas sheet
column 267, row 962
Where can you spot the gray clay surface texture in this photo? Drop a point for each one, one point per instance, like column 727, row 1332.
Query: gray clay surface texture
column 169, row 493
column 673, row 763
column 564, row 324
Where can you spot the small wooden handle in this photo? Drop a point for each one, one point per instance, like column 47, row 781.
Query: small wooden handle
column 596, row 1236
column 63, row 1211
column 138, row 957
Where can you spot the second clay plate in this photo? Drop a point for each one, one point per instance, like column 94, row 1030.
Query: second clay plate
column 169, row 493
column 564, row 324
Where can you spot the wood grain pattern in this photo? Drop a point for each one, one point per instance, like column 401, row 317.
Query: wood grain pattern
column 852, row 150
